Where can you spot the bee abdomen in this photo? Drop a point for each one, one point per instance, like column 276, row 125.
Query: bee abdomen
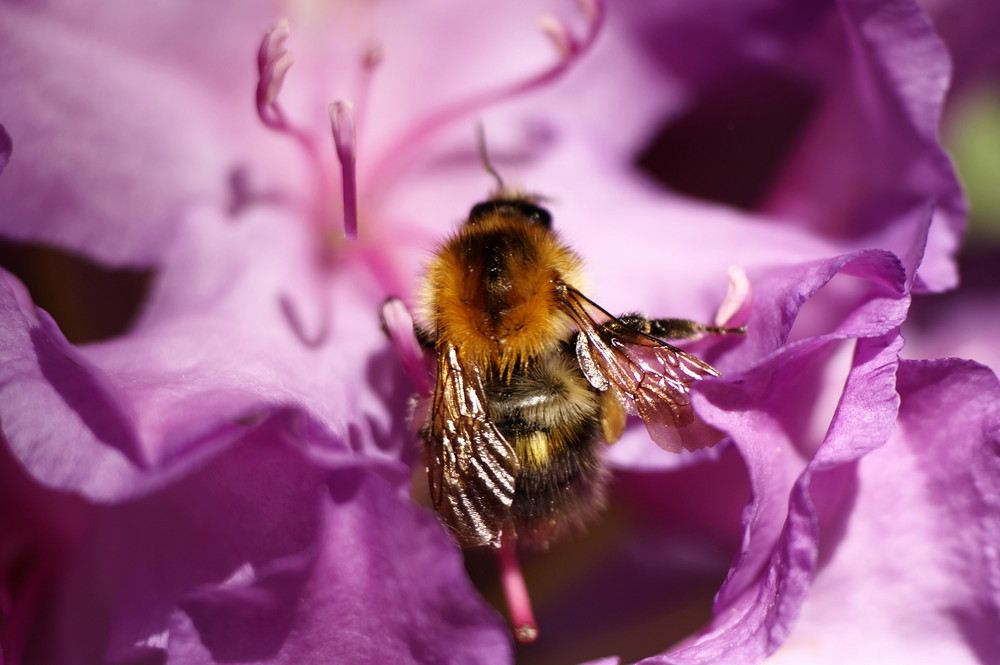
column 551, row 416
column 562, row 497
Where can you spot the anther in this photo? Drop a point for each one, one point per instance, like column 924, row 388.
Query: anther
column 558, row 34
column 736, row 303
column 345, row 140
column 273, row 61
column 397, row 323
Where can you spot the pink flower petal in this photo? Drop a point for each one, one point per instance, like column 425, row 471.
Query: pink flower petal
column 889, row 75
column 82, row 103
column 257, row 555
column 914, row 578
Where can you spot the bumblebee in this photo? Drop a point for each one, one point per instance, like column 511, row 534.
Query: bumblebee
column 531, row 376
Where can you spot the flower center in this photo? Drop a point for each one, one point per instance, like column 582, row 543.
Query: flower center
column 334, row 180
column 273, row 62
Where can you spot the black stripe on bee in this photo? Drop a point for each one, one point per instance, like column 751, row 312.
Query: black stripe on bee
column 520, row 208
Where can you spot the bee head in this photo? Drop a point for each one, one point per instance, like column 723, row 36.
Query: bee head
column 505, row 203
column 525, row 210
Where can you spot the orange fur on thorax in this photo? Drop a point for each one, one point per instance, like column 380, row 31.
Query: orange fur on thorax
column 503, row 324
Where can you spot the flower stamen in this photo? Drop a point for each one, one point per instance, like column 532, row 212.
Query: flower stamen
column 568, row 45
column 398, row 326
column 345, row 141
column 515, row 590
column 559, row 35
column 735, row 305
column 570, row 50
column 273, row 62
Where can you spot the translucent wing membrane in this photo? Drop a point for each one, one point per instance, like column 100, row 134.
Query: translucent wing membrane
column 472, row 467
column 649, row 377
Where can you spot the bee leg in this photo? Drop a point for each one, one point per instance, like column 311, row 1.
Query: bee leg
column 425, row 338
column 673, row 328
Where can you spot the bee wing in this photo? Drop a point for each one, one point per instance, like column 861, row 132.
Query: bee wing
column 471, row 465
column 650, row 378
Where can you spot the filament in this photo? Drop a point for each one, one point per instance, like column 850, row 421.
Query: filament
column 515, row 589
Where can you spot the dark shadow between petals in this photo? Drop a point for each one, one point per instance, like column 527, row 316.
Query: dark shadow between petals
column 6, row 147
column 731, row 144
column 90, row 302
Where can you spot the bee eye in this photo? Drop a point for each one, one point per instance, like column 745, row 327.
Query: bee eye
column 481, row 211
column 537, row 214
column 527, row 211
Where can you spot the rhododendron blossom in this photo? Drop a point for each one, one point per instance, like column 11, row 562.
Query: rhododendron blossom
column 232, row 478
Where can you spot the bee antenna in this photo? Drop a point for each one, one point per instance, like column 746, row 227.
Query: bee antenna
column 484, row 156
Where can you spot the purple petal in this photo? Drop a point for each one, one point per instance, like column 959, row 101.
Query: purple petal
column 36, row 538
column 868, row 80
column 915, row 578
column 258, row 361
column 460, row 89
column 207, row 42
column 871, row 150
column 213, row 354
column 767, row 411
column 50, row 392
column 125, row 438
column 812, row 304
column 109, row 147
column 219, row 323
column 757, row 606
column 259, row 555
column 420, row 605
